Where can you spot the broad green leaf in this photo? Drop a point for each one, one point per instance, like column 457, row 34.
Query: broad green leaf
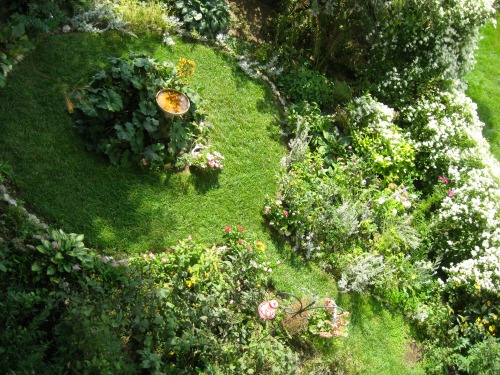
column 115, row 101
column 41, row 249
column 36, row 267
column 51, row 270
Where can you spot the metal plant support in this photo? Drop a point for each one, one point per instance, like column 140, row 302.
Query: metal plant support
column 336, row 310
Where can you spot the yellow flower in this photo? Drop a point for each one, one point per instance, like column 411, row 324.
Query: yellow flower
column 492, row 329
column 190, row 282
column 260, row 246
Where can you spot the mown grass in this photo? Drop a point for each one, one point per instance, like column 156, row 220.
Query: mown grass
column 484, row 85
column 131, row 211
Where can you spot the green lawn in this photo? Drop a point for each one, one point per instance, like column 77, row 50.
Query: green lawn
column 134, row 211
column 127, row 210
column 484, row 85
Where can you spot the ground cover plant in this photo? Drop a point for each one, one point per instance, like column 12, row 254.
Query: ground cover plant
column 364, row 194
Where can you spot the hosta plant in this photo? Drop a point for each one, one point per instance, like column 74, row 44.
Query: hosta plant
column 206, row 18
column 62, row 253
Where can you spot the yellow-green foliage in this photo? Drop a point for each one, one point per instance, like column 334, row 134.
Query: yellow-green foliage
column 144, row 16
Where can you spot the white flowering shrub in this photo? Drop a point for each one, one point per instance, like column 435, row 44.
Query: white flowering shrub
column 378, row 140
column 447, row 134
column 424, row 43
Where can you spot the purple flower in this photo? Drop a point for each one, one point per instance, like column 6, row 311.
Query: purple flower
column 55, row 244
column 76, row 267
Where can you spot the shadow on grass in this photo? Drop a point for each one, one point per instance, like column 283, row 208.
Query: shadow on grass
column 204, row 181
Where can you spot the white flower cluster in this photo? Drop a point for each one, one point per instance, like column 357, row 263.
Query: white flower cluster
column 449, row 136
column 481, row 272
column 447, row 130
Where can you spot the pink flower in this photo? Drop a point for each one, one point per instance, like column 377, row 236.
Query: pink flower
column 231, row 302
column 151, row 255
column 268, row 209
column 451, row 193
column 267, row 310
column 211, row 163
column 240, row 241
column 55, row 244
column 285, row 213
column 144, row 256
column 278, row 262
column 444, row 179
column 76, row 267
column 227, row 229
column 164, row 260
column 240, row 228
column 145, row 163
column 248, row 246
column 203, row 165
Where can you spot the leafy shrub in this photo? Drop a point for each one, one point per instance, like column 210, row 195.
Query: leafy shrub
column 304, row 84
column 185, row 310
column 420, row 45
column 206, row 18
column 143, row 16
column 62, row 253
column 482, row 358
column 118, row 115
column 379, row 141
column 14, row 45
column 100, row 16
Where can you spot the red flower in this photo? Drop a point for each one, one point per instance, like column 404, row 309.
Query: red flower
column 240, row 241
column 248, row 246
column 240, row 228
column 227, row 228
